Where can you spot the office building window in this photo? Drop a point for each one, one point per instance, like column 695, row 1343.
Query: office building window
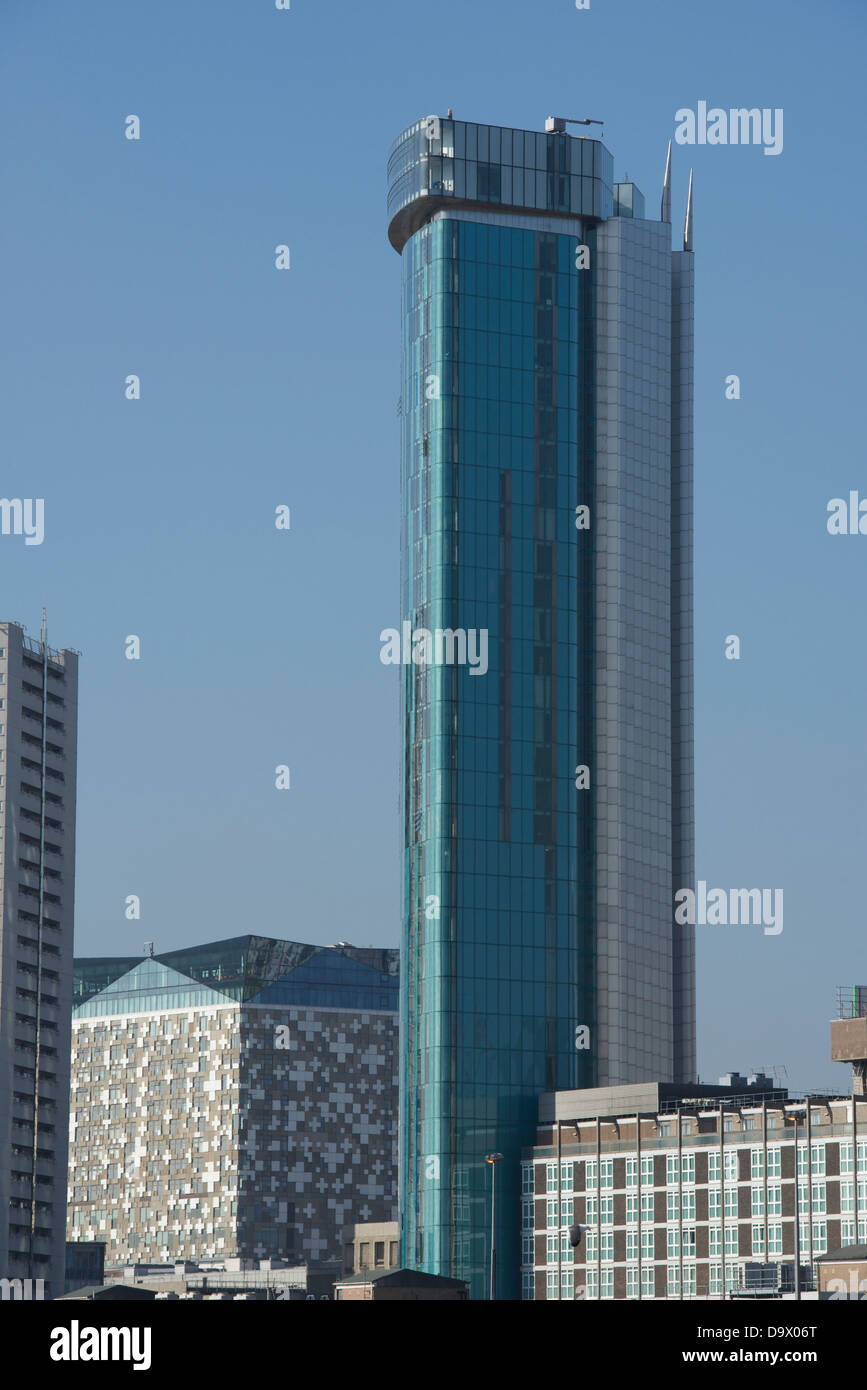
column 847, row 1196
column 847, row 1232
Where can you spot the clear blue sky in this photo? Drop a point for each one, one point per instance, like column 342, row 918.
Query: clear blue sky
column 262, row 387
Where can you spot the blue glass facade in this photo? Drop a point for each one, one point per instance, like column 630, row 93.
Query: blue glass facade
column 497, row 974
column 500, row 449
column 438, row 162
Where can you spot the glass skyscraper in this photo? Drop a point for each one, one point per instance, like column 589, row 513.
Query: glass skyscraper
column 546, row 409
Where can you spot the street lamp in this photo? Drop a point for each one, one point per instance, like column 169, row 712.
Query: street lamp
column 493, row 1159
column 793, row 1119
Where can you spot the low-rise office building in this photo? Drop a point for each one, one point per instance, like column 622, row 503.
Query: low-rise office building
column 85, row 1264
column 400, row 1286
column 681, row 1192
column 370, row 1245
column 230, row 1279
column 843, row 1273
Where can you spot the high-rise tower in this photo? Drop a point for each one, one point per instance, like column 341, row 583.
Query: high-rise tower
column 38, row 736
column 547, row 512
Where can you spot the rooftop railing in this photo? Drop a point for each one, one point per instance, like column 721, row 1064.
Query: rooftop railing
column 851, row 1001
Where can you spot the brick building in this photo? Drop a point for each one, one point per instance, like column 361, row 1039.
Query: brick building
column 684, row 1191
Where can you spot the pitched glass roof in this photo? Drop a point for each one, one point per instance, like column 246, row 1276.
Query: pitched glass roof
column 243, row 969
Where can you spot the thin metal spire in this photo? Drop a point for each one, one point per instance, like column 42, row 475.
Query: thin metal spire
column 687, row 224
column 665, row 214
